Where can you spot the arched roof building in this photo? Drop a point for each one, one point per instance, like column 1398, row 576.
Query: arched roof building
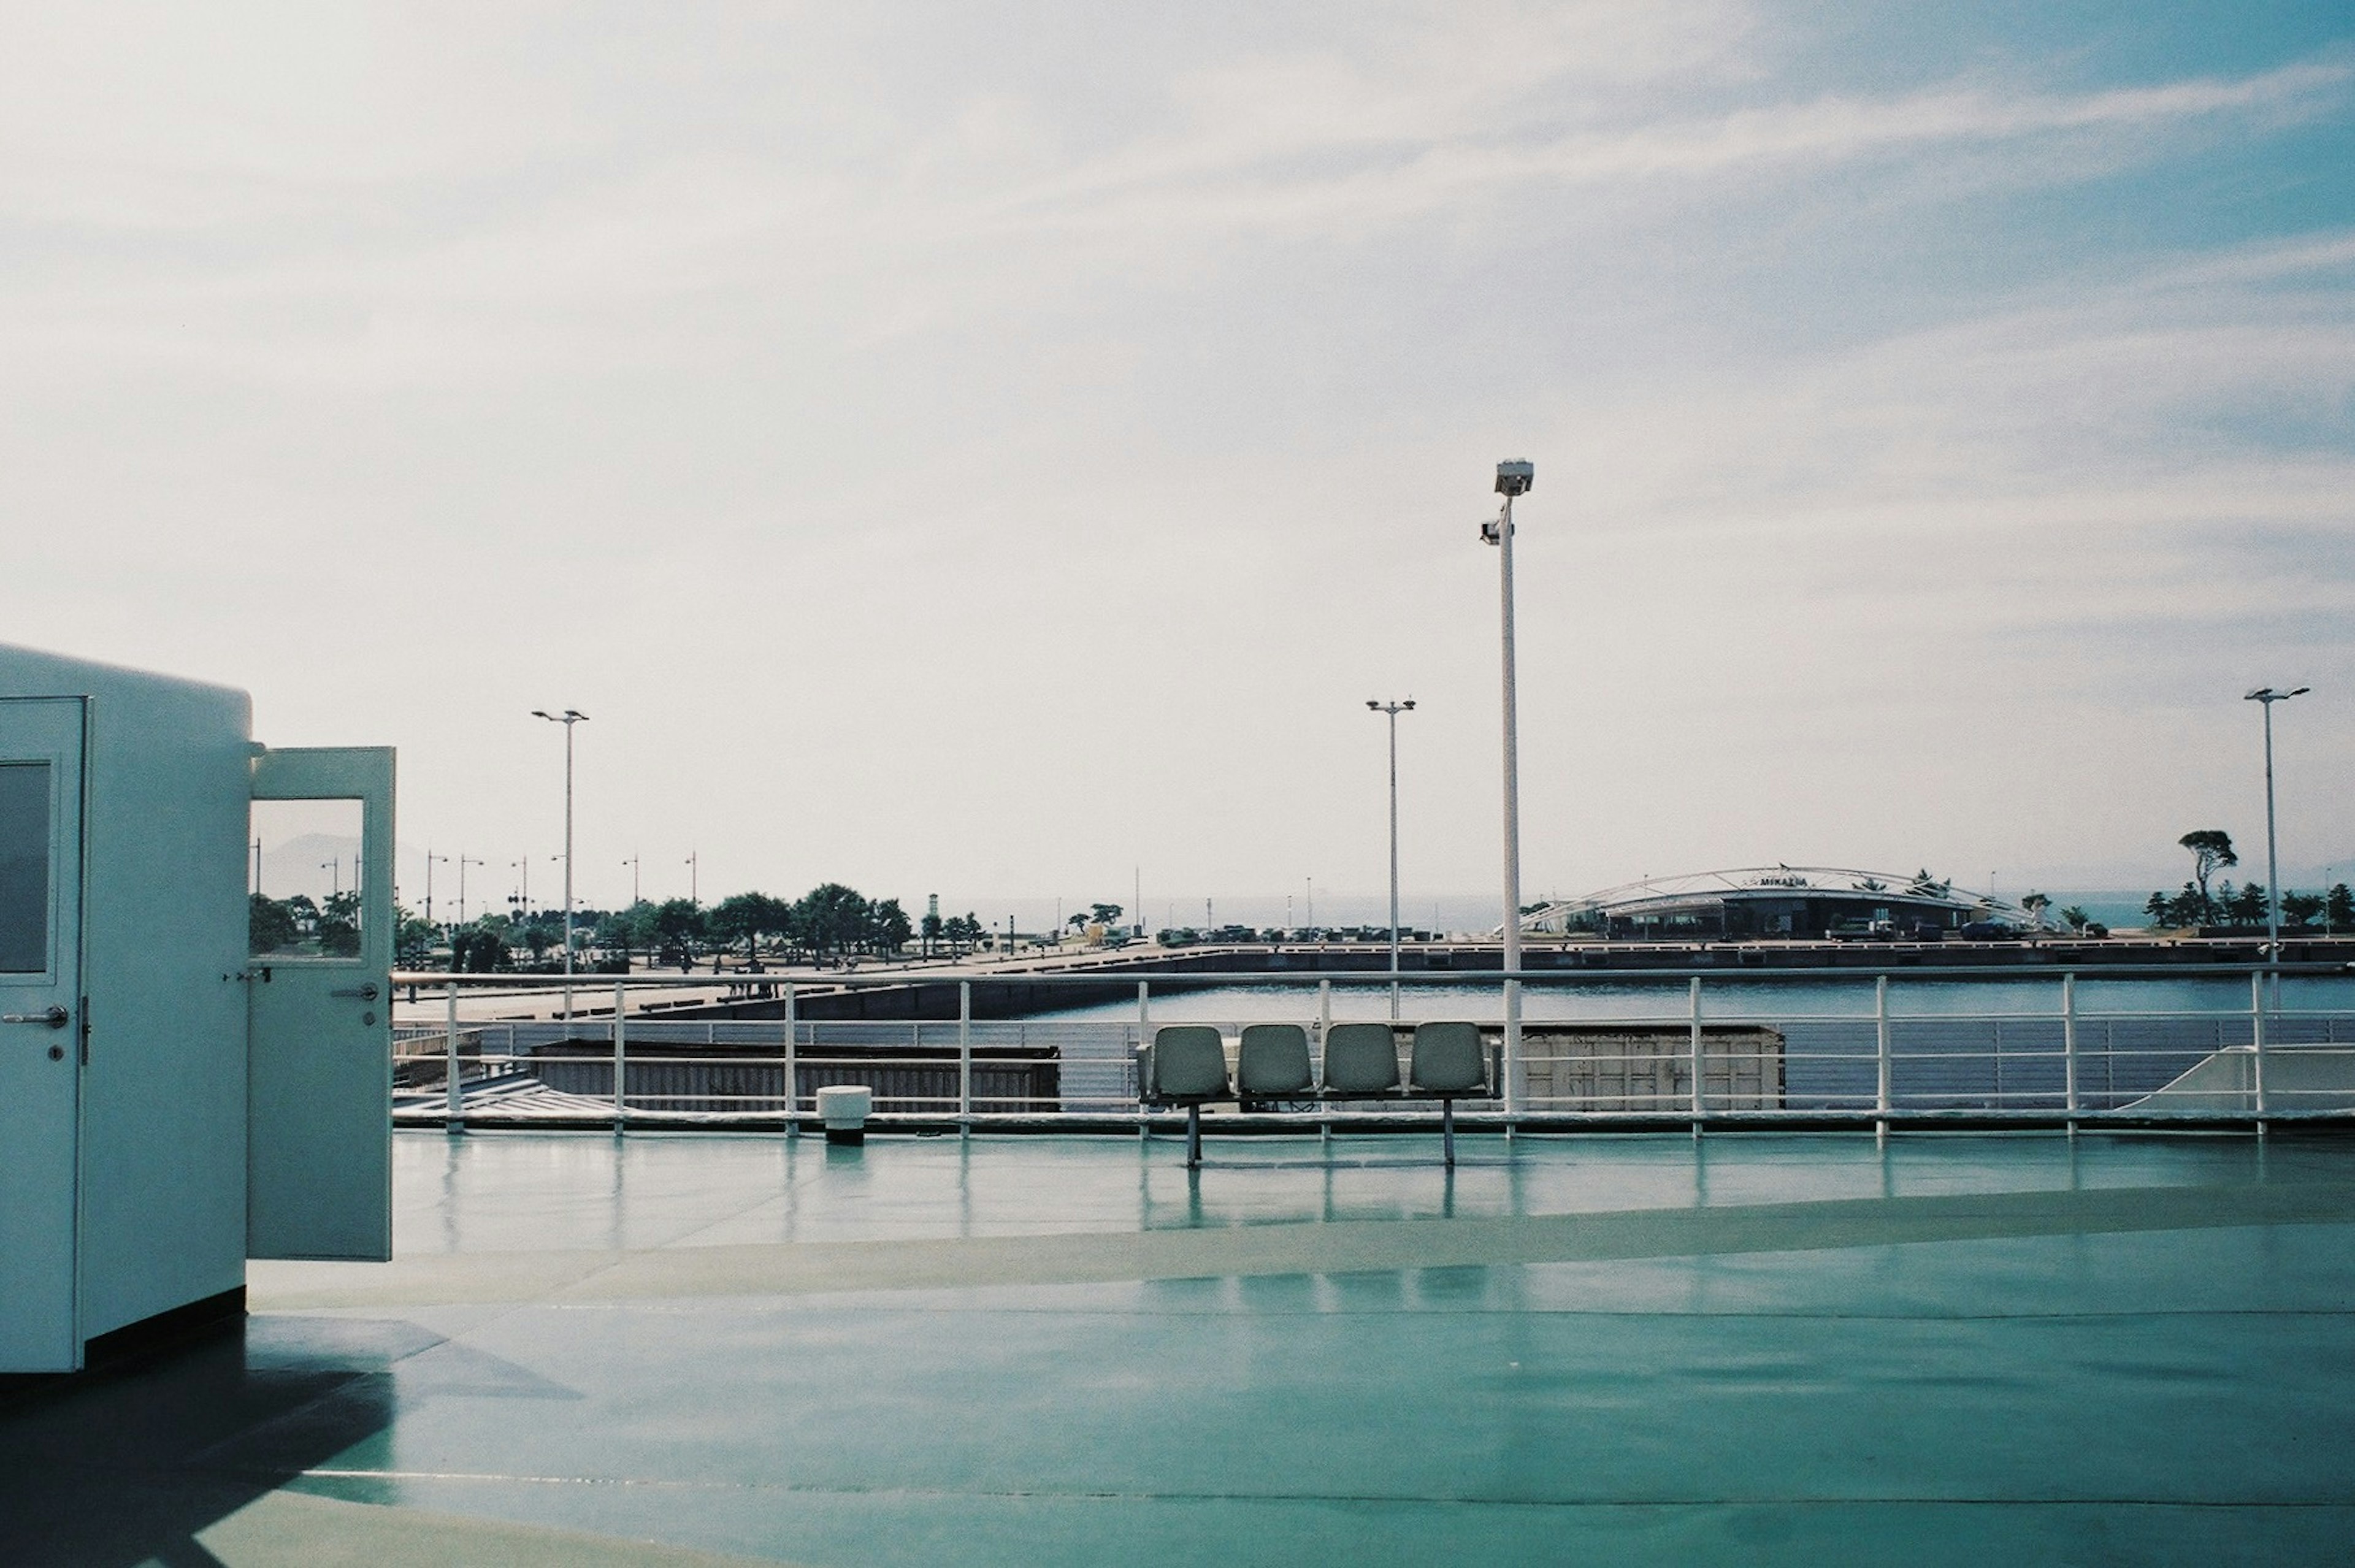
column 1778, row 901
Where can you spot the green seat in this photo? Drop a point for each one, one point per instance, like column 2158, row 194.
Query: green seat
column 1360, row 1059
column 1272, row 1063
column 1449, row 1061
column 1188, row 1063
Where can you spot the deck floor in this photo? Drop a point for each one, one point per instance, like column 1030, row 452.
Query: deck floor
column 1759, row 1349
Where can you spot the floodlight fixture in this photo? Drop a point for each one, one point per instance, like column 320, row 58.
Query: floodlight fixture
column 1514, row 478
column 569, row 718
column 2268, row 697
column 1392, row 710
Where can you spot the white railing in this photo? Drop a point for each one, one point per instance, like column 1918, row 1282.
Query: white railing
column 1594, row 1049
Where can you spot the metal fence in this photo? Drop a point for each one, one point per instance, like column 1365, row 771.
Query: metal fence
column 1704, row 1050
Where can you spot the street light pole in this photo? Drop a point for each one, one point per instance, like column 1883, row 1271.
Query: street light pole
column 1514, row 478
column 464, row 860
column 2268, row 697
column 569, row 718
column 1394, row 710
column 632, row 864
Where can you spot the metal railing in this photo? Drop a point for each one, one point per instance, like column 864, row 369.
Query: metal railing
column 1593, row 1048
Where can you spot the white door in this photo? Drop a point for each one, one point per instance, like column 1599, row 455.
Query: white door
column 319, row 1053
column 40, row 1029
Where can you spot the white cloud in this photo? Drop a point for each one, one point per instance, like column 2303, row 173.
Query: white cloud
column 931, row 460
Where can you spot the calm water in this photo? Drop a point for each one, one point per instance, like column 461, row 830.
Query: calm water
column 1829, row 997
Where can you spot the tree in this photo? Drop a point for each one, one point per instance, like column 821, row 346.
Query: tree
column 743, row 917
column 2299, row 908
column 2212, row 851
column 2248, row 905
column 2338, row 907
column 935, row 931
column 2076, row 918
column 479, row 948
column 2155, row 909
column 679, row 930
column 889, row 926
column 271, row 925
column 413, row 942
column 626, row 930
column 831, row 918
column 338, row 926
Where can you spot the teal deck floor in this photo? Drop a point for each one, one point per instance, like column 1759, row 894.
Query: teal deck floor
column 1766, row 1348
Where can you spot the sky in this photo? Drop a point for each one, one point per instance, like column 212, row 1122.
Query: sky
column 997, row 449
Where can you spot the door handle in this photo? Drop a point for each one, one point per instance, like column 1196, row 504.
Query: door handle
column 55, row 1018
column 361, row 993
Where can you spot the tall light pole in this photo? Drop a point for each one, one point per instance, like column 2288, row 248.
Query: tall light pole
column 632, row 864
column 694, row 871
column 430, row 858
column 1394, row 710
column 569, row 718
column 1514, row 478
column 464, row 860
column 2268, row 697
column 524, row 899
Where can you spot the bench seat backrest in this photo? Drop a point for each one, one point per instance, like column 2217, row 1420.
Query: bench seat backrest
column 1272, row 1061
column 1190, row 1063
column 1360, row 1059
column 1448, row 1059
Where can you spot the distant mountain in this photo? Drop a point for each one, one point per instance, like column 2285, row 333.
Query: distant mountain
column 314, row 864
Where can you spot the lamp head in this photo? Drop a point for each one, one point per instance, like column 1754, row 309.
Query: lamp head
column 1408, row 704
column 1515, row 476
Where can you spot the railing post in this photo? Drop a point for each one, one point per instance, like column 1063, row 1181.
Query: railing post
column 621, row 1060
column 1699, row 1102
column 1513, row 1077
column 455, row 1118
column 792, row 1080
column 965, row 1059
column 1324, row 1033
column 1881, row 1050
column 1144, row 1041
column 2257, row 1044
column 2068, row 1045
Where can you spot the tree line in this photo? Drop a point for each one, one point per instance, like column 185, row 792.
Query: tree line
column 300, row 925
column 2203, row 900
column 831, row 923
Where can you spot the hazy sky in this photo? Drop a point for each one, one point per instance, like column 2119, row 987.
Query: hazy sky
column 985, row 449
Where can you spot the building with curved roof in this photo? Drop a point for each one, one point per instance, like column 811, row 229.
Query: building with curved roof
column 1789, row 902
